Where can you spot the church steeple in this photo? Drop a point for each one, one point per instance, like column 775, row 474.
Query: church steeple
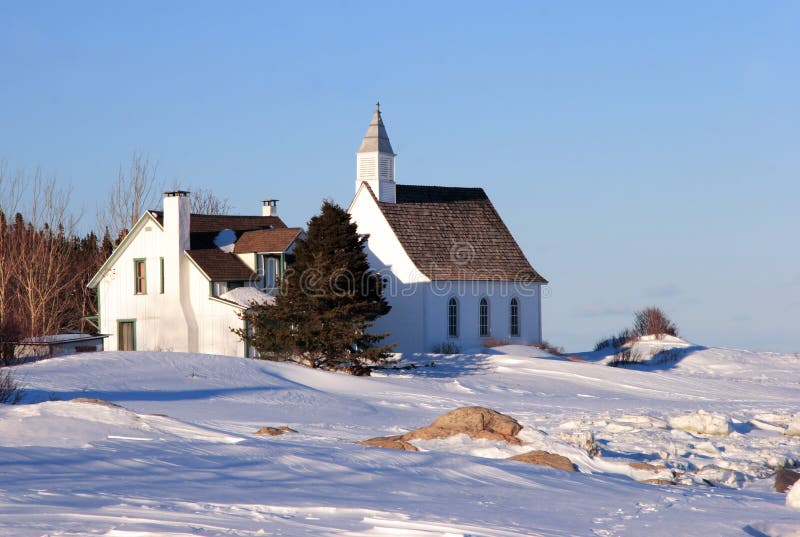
column 375, row 160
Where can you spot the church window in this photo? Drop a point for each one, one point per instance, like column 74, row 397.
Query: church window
column 483, row 318
column 452, row 318
column 514, row 317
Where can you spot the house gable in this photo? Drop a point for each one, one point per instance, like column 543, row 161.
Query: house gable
column 385, row 249
column 146, row 218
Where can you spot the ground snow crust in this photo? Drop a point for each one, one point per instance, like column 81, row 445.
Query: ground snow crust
column 179, row 457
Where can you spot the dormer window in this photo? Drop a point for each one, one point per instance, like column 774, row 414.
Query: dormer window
column 269, row 269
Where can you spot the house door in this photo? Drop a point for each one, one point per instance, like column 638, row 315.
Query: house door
column 126, row 335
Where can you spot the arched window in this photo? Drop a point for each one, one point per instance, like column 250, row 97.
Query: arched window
column 514, row 311
column 452, row 318
column 483, row 318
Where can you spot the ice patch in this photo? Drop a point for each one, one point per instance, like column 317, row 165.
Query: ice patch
column 702, row 422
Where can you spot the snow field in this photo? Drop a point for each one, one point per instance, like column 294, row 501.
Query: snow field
column 179, row 457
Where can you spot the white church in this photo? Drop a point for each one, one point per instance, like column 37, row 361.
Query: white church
column 455, row 275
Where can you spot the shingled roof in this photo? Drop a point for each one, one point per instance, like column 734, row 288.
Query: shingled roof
column 456, row 234
column 221, row 266
column 266, row 240
column 204, row 227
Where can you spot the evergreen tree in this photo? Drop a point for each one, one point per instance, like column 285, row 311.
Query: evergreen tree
column 329, row 300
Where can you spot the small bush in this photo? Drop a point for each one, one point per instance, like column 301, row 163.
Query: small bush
column 653, row 321
column 10, row 391
column 490, row 342
column 614, row 342
column 547, row 347
column 623, row 358
column 446, row 347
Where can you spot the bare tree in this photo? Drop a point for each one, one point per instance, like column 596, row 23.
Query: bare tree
column 43, row 268
column 134, row 192
column 204, row 201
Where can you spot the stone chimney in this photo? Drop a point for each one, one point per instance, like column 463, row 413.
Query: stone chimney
column 269, row 207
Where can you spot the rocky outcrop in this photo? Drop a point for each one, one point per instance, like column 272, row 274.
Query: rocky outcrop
column 390, row 442
column 545, row 458
column 474, row 421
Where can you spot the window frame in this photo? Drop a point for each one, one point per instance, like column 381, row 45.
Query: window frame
column 452, row 317
column 514, row 318
column 136, row 277
column 484, row 321
column 161, row 268
column 120, row 322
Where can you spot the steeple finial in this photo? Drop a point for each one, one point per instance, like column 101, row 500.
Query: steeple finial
column 376, row 138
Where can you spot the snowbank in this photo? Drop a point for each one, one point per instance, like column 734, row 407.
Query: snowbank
column 793, row 496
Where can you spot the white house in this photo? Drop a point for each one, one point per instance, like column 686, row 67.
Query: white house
column 455, row 274
column 178, row 281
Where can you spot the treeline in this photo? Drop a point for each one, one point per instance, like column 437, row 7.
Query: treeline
column 43, row 276
column 45, row 263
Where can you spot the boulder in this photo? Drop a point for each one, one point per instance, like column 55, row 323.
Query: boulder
column 647, row 466
column 274, row 431
column 390, row 442
column 545, row 458
column 784, row 479
column 474, row 421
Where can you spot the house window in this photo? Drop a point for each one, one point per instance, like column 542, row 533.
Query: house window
column 161, row 266
column 270, row 270
column 126, row 335
column 220, row 288
column 514, row 317
column 452, row 318
column 139, row 277
column 483, row 318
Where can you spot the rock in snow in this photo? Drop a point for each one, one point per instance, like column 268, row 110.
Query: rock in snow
column 390, row 442
column 785, row 478
column 274, row 431
column 545, row 458
column 474, row 421
column 702, row 422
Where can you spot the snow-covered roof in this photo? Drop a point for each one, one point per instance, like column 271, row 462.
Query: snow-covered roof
column 247, row 296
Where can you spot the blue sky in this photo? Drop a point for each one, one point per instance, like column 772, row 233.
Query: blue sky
column 642, row 153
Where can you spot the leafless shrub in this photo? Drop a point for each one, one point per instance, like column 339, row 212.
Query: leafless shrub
column 10, row 390
column 491, row 342
column 446, row 347
column 547, row 347
column 652, row 321
column 623, row 358
column 615, row 341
